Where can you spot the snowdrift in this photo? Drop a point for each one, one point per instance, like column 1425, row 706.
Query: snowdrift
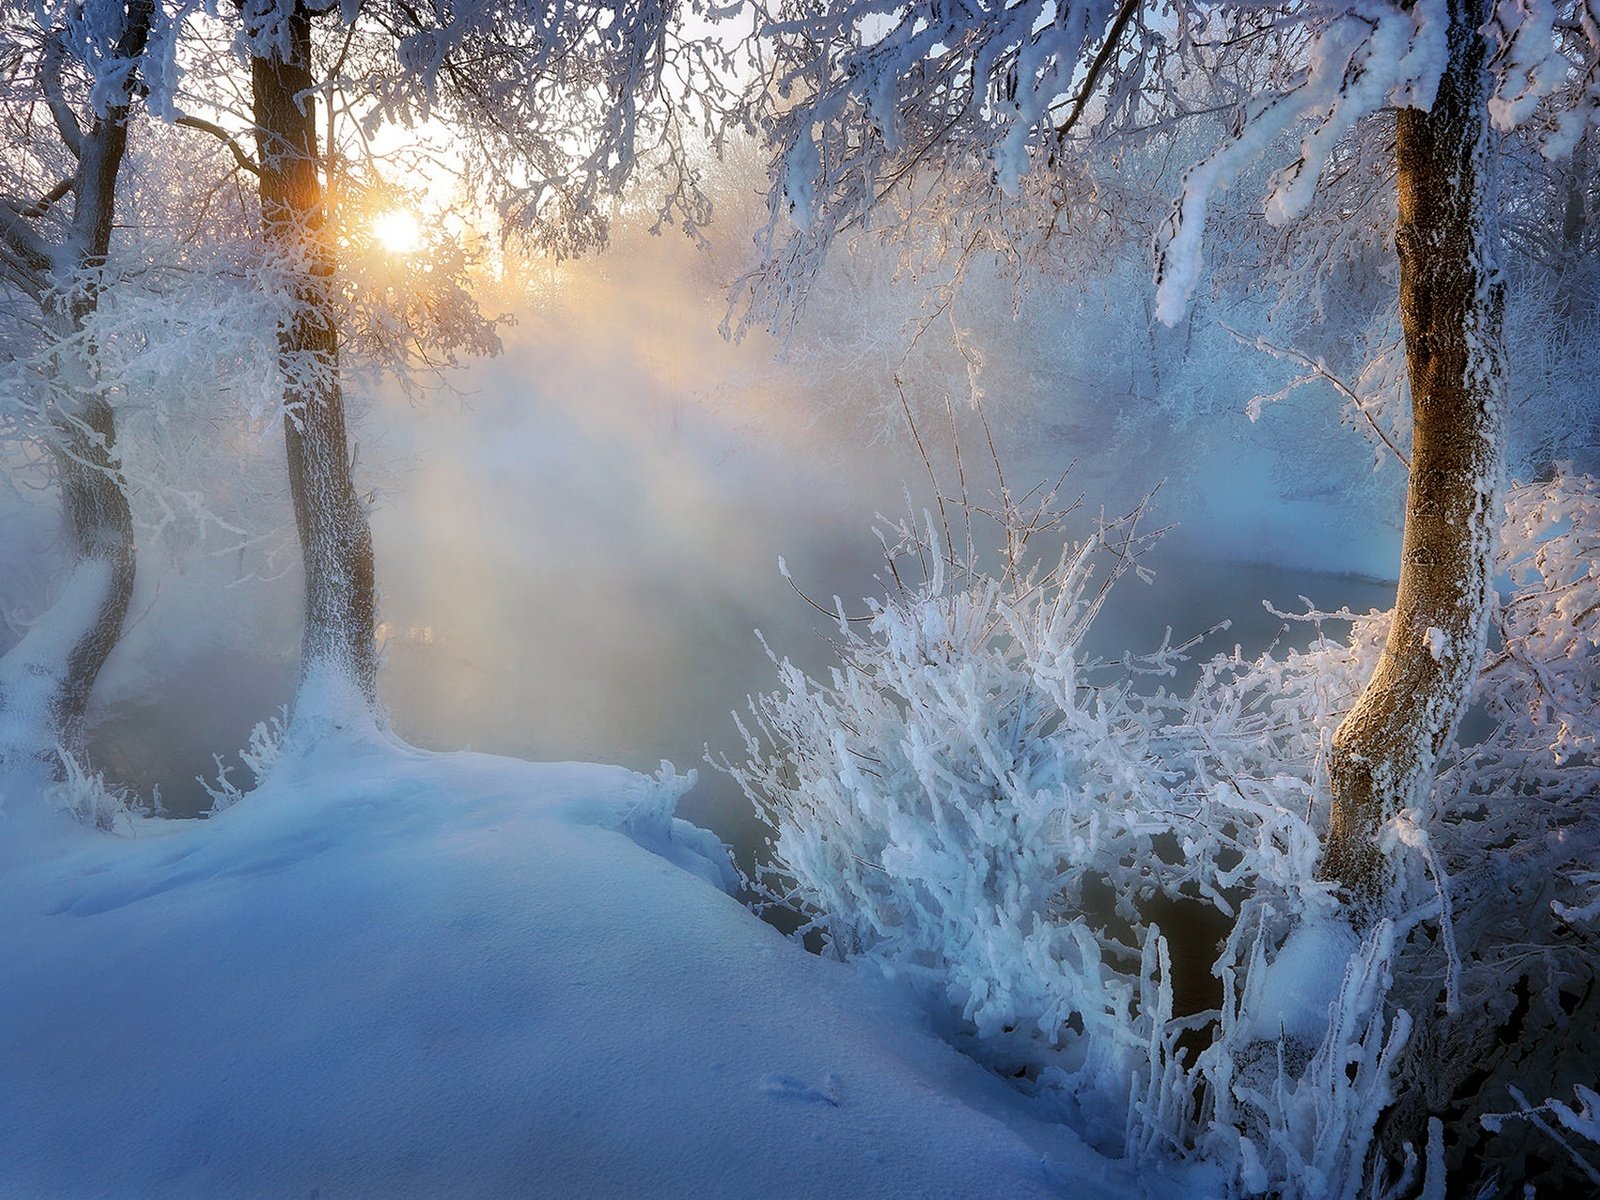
column 396, row 973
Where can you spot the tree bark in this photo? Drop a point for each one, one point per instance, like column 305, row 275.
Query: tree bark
column 1451, row 301
column 335, row 536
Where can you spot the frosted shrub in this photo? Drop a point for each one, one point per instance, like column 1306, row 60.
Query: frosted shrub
column 1293, row 1090
column 1299, row 1063
column 84, row 794
column 260, row 755
column 963, row 783
column 265, row 746
column 969, row 804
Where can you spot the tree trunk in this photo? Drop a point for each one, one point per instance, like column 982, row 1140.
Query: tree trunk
column 1451, row 301
column 335, row 537
column 47, row 678
column 102, row 532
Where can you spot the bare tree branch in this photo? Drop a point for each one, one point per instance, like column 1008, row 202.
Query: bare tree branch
column 1098, row 66
column 245, row 162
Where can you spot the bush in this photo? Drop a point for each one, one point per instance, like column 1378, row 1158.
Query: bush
column 84, row 795
column 260, row 755
column 970, row 805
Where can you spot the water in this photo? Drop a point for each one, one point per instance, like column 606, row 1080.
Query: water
column 609, row 691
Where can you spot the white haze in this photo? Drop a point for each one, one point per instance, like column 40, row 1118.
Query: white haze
column 575, row 546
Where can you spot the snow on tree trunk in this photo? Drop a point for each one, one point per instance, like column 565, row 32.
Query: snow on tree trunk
column 335, row 536
column 1385, row 751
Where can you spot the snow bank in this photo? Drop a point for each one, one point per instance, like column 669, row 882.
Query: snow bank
column 394, row 973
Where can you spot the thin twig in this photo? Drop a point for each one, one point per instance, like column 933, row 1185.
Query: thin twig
column 1321, row 371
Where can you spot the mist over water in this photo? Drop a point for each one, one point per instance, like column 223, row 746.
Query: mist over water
column 574, row 552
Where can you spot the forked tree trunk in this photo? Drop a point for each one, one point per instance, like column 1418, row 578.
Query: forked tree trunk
column 1385, row 752
column 47, row 678
column 335, row 536
column 102, row 532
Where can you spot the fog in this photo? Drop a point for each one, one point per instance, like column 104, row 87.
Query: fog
column 576, row 541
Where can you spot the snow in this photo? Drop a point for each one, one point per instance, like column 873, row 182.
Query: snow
column 31, row 675
column 1304, row 980
column 390, row 972
column 1438, row 643
column 1532, row 66
column 1433, row 1185
column 31, row 671
column 800, row 167
column 1585, row 1119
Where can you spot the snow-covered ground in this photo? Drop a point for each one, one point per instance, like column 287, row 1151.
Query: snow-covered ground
column 392, row 973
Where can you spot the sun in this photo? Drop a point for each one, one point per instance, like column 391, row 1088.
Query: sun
column 398, row 231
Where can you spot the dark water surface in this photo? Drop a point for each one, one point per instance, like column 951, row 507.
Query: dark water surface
column 569, row 695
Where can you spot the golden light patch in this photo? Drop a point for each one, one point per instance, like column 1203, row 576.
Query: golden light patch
column 398, row 231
